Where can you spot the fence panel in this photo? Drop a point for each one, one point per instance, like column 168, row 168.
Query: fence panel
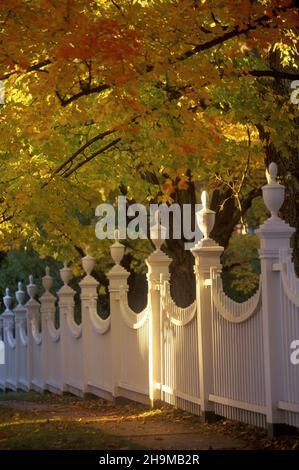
column 238, row 365
column 97, row 353
column 179, row 354
column 10, row 350
column 2, row 356
column 21, row 348
column 134, row 351
column 215, row 356
column 289, row 403
column 52, row 353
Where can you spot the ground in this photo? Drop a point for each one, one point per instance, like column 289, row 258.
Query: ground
column 33, row 421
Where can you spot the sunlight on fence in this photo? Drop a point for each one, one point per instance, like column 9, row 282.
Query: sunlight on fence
column 216, row 356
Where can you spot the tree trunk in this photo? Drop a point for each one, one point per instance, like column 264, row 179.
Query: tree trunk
column 288, row 164
column 181, row 267
column 288, row 171
column 226, row 218
column 182, row 277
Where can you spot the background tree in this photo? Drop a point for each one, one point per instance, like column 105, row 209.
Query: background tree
column 153, row 99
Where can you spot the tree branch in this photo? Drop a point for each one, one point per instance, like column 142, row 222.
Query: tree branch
column 32, row 68
column 274, row 74
column 57, row 170
column 81, row 149
column 91, row 157
column 84, row 92
column 235, row 32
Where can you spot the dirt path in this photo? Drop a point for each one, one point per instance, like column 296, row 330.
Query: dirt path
column 67, row 422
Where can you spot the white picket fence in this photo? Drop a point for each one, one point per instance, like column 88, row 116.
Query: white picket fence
column 216, row 356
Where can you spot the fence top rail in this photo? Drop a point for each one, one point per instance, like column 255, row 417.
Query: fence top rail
column 54, row 333
column 290, row 282
column 73, row 327
column 100, row 325
column 229, row 309
column 178, row 316
column 132, row 319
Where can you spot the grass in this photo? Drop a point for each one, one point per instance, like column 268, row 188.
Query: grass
column 26, row 430
column 32, row 396
column 33, row 421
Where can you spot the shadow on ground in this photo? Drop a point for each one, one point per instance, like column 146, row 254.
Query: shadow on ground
column 33, row 421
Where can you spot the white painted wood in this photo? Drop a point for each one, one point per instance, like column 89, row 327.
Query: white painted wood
column 207, row 255
column 286, row 406
column 96, row 335
column 238, row 404
column 158, row 273
column 51, row 338
column 216, row 355
column 21, row 348
column 289, row 399
column 34, row 349
column 10, row 381
column 71, row 344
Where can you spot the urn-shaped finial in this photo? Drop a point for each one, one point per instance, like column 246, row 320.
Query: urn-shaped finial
column 205, row 217
column 273, row 192
column 158, row 231
column 7, row 299
column 88, row 263
column 47, row 280
column 20, row 294
column 117, row 250
column 66, row 274
column 31, row 288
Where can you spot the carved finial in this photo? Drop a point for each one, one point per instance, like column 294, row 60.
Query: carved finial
column 271, row 173
column 157, row 217
column 273, row 192
column 205, row 200
column 205, row 217
column 88, row 263
column 66, row 274
column 117, row 250
column 158, row 231
column 47, row 280
column 20, row 294
column 31, row 288
column 7, row 299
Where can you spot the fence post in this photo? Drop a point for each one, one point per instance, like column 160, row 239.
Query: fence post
column 207, row 255
column 274, row 235
column 117, row 282
column 2, row 356
column 33, row 327
column 88, row 296
column 158, row 272
column 47, row 310
column 8, row 318
column 66, row 307
column 21, row 358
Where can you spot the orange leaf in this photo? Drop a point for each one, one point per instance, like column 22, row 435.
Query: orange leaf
column 168, row 186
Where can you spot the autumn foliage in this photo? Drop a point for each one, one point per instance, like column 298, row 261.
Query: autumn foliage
column 140, row 97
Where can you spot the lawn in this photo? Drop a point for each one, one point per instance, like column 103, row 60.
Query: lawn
column 33, row 421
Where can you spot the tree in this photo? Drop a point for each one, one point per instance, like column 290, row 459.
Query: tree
column 141, row 97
